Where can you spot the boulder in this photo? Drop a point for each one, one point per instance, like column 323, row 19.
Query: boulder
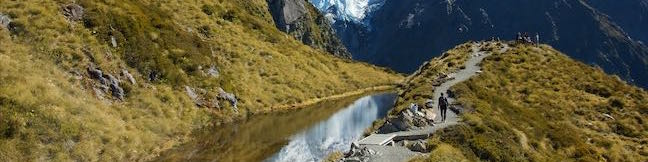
column 73, row 12
column 228, row 97
column 388, row 127
column 359, row 154
column 402, row 122
column 97, row 74
column 419, row 122
column 419, row 146
column 213, row 72
column 286, row 12
column 128, row 76
column 4, row 21
column 116, row 90
column 193, row 96
column 113, row 41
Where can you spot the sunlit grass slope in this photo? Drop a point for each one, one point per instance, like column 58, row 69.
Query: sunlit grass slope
column 48, row 107
column 536, row 104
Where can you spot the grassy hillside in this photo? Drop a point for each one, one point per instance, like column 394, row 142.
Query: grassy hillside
column 51, row 108
column 536, row 104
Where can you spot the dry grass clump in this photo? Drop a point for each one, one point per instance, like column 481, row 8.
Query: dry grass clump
column 49, row 110
column 536, row 104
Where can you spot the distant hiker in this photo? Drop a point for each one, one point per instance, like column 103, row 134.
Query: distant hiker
column 443, row 106
column 519, row 37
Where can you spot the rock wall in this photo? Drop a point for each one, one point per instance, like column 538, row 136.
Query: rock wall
column 301, row 20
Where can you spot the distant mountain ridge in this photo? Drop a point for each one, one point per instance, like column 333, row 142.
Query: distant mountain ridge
column 608, row 34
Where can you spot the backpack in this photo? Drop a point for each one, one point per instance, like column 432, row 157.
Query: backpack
column 443, row 102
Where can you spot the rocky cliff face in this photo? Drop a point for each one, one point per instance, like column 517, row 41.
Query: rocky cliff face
column 598, row 32
column 301, row 20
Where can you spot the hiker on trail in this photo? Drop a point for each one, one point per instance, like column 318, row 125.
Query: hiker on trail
column 443, row 106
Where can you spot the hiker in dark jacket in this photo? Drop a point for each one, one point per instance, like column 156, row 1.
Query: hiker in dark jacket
column 443, row 106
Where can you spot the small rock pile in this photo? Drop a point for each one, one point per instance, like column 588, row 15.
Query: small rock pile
column 73, row 12
column 107, row 83
column 198, row 96
column 358, row 154
column 406, row 120
column 418, row 146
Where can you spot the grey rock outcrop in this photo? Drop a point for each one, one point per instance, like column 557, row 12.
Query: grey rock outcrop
column 213, row 72
column 97, row 74
column 197, row 95
column 418, row 146
column 404, row 121
column 302, row 21
column 193, row 96
column 358, row 154
column 107, row 82
column 128, row 76
column 73, row 12
column 228, row 97
column 116, row 90
column 286, row 12
column 4, row 21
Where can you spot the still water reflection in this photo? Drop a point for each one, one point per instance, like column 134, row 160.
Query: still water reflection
column 309, row 134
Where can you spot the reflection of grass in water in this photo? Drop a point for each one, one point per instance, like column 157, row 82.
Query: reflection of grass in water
column 257, row 138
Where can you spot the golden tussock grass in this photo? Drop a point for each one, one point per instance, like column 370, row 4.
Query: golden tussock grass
column 536, row 104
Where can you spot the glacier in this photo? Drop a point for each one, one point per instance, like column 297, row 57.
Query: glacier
column 357, row 11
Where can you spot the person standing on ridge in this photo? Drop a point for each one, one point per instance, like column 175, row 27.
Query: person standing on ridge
column 443, row 107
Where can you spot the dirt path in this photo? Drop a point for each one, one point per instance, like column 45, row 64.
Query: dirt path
column 389, row 153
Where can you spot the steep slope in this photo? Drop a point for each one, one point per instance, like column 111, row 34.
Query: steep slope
column 351, row 20
column 125, row 80
column 632, row 16
column 597, row 32
column 536, row 104
column 301, row 20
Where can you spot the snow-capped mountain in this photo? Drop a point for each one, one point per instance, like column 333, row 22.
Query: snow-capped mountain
column 400, row 34
column 348, row 10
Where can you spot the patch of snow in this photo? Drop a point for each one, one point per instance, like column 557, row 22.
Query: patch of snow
column 349, row 10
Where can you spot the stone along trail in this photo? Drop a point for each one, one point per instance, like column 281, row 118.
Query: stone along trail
column 396, row 153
